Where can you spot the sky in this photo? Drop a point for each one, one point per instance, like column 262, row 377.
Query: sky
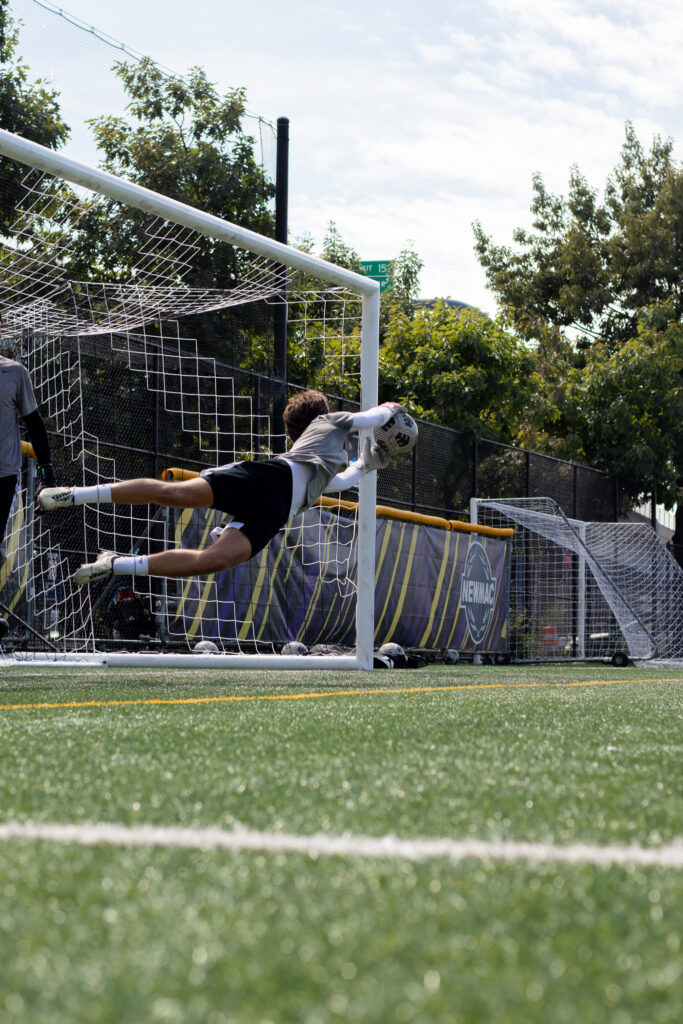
column 411, row 119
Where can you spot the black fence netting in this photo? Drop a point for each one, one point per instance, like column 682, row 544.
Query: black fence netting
column 447, row 469
column 144, row 425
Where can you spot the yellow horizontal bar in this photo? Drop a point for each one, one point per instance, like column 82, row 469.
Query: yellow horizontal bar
column 174, row 473
column 487, row 531
column 422, row 520
column 27, row 450
column 412, row 517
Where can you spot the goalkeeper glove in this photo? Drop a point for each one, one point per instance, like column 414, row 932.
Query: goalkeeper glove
column 372, row 456
column 46, row 478
column 46, row 475
column 394, row 407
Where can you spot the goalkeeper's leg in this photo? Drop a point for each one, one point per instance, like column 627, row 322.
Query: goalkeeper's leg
column 195, row 493
column 231, row 548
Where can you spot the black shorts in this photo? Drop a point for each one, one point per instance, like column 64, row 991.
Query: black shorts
column 258, row 494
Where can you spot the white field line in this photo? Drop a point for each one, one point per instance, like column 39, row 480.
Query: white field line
column 321, row 845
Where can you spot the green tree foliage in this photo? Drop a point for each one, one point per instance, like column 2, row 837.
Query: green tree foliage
column 619, row 410
column 592, row 264
column 631, row 405
column 323, row 338
column 186, row 141
column 452, row 366
column 336, row 250
column 29, row 109
column 183, row 139
column 329, row 358
column 597, row 285
column 456, row 367
column 403, row 291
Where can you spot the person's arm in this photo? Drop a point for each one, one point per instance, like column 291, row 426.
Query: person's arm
column 349, row 477
column 371, row 458
column 37, row 432
column 375, row 417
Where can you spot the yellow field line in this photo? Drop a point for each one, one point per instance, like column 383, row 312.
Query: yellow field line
column 316, row 696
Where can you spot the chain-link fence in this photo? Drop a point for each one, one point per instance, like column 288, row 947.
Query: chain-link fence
column 447, row 469
column 444, row 471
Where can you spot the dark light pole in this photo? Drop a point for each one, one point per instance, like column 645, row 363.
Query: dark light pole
column 280, row 313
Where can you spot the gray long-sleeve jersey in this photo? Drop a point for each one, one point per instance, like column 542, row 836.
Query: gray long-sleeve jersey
column 16, row 396
column 321, row 449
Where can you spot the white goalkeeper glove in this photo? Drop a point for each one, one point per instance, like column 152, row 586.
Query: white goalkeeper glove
column 372, row 456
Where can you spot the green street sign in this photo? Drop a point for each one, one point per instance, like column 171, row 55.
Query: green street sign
column 378, row 270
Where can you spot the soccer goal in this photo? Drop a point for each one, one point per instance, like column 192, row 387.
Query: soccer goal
column 145, row 364
column 587, row 590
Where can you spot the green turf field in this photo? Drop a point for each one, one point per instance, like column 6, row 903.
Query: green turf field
column 166, row 926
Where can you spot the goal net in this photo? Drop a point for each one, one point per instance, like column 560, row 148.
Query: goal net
column 587, row 590
column 141, row 368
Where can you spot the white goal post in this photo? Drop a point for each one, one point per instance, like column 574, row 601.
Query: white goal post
column 112, row 323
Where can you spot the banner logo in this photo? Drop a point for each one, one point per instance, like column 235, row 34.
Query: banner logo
column 478, row 591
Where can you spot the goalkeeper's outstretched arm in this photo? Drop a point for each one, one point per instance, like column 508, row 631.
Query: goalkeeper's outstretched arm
column 375, row 417
column 372, row 457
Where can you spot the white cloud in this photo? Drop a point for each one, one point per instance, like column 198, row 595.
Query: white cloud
column 439, row 53
column 412, row 120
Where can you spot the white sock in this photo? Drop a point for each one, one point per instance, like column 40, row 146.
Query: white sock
column 92, row 495
column 130, row 565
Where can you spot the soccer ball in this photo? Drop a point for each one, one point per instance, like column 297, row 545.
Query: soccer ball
column 398, row 435
column 395, row 653
column 294, row 647
column 205, row 647
column 451, row 657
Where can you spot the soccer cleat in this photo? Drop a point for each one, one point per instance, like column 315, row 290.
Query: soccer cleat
column 55, row 497
column 100, row 569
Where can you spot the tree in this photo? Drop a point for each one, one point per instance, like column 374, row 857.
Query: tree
column 456, row 367
column 600, row 280
column 591, row 264
column 403, row 291
column 184, row 140
column 631, row 404
column 311, row 364
column 29, row 109
column 620, row 411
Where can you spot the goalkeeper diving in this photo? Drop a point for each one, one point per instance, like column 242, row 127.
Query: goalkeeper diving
column 257, row 497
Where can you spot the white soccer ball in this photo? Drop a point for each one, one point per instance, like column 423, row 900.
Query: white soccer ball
column 398, row 435
column 392, row 651
column 395, row 653
column 451, row 657
column 294, row 647
column 205, row 647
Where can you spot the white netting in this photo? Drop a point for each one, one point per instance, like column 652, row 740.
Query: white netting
column 588, row 589
column 146, row 372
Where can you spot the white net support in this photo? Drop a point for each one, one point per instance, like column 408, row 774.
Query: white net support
column 144, row 371
column 587, row 590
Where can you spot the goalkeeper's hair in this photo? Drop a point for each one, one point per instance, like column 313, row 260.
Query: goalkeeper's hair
column 301, row 410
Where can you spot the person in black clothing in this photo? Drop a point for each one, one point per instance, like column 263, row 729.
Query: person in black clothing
column 17, row 398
